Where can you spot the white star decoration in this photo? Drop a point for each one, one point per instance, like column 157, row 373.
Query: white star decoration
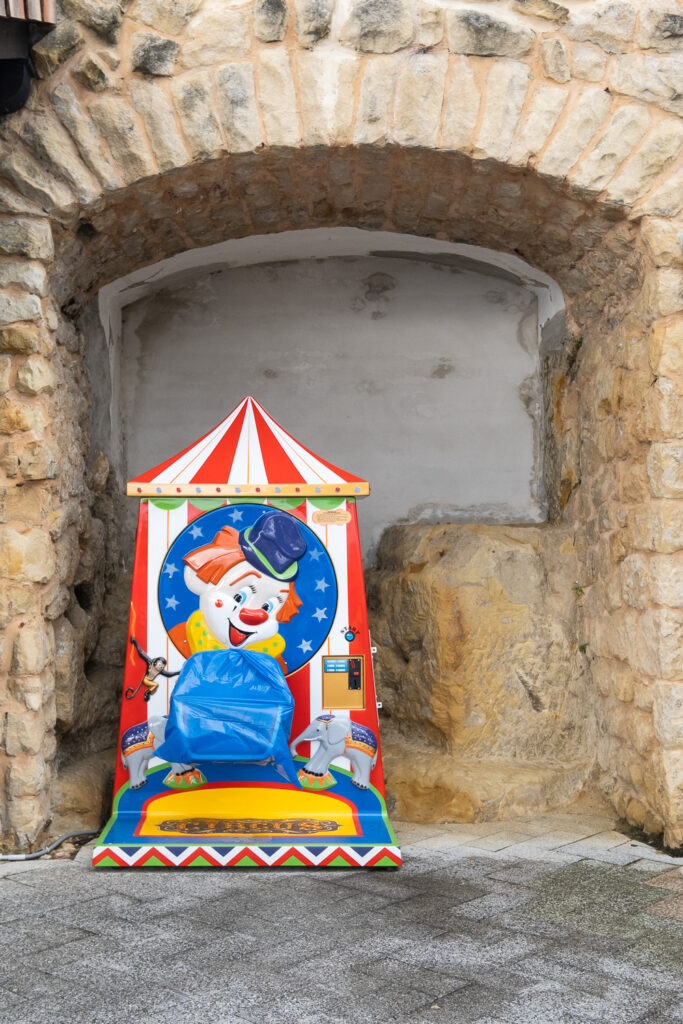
column 320, row 614
column 236, row 516
column 316, row 554
column 196, row 532
column 171, row 569
column 321, row 585
column 172, row 602
column 305, row 646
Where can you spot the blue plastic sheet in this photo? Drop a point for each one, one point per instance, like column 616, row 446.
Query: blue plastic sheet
column 230, row 706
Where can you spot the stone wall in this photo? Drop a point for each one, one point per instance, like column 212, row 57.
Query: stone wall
column 486, row 689
column 545, row 129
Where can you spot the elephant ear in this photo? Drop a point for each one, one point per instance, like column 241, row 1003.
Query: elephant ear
column 336, row 731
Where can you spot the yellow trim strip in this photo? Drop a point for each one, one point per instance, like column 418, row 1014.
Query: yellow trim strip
column 147, row 490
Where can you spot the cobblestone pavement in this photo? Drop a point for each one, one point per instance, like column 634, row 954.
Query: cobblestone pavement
column 537, row 921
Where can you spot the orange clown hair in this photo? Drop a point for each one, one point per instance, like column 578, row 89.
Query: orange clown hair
column 212, row 561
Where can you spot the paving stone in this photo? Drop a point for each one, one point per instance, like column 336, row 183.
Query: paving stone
column 485, row 936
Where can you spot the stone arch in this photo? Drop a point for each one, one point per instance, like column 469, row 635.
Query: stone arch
column 538, row 130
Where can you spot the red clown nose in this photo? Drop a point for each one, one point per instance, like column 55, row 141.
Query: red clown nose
column 253, row 616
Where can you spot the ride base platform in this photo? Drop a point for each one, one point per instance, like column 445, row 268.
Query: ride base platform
column 246, row 815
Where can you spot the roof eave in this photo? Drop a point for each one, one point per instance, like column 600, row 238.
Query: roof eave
column 355, row 489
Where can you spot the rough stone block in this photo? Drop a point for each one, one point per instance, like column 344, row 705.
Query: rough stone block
column 635, row 581
column 610, row 25
column 29, row 276
column 49, row 142
column 555, row 60
column 665, row 469
column 216, row 34
column 660, row 416
column 192, row 97
column 666, row 347
column 87, row 140
column 452, row 609
column 27, row 776
column 545, row 9
column 237, row 107
column 169, row 17
column 12, row 201
column 430, row 24
column 668, row 713
column 277, row 98
column 25, row 732
column 461, row 106
column 547, row 103
column 478, row 34
column 17, row 599
column 506, row 89
column 657, row 526
column 661, row 26
column 419, row 99
column 56, row 47
column 33, row 180
column 152, row 54
column 36, row 375
column 663, row 290
column 326, row 114
column 588, row 62
column 378, row 26
column 666, row 581
column 373, row 118
column 662, row 238
column 119, row 128
column 623, row 133
column 27, row 817
column 667, row 199
column 270, row 20
column 577, row 130
column 313, row 21
column 15, row 305
column 35, row 460
column 670, row 794
column 102, row 17
column 26, row 556
column 20, row 339
column 33, row 648
column 93, row 73
column 638, row 175
column 651, row 79
column 5, row 377
column 23, row 237
column 150, row 101
column 25, row 504
column 16, row 415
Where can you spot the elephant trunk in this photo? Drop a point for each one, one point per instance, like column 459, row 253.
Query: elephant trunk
column 307, row 734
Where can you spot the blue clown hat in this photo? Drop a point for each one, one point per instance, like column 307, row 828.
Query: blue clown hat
column 274, row 544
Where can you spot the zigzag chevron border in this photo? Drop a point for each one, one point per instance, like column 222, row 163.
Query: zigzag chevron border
column 246, row 856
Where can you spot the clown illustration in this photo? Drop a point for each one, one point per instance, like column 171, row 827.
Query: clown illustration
column 245, row 584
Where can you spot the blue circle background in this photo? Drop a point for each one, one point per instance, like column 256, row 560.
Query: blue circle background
column 315, row 566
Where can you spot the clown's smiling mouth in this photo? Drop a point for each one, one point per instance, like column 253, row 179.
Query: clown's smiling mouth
column 237, row 636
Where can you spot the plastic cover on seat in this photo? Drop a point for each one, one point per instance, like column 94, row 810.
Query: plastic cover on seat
column 230, row 706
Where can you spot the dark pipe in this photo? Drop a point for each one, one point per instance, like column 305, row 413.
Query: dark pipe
column 15, row 84
column 17, row 36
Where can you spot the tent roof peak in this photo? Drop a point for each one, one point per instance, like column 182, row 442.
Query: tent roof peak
column 248, row 454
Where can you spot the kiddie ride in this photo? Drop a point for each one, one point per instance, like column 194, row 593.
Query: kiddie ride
column 249, row 732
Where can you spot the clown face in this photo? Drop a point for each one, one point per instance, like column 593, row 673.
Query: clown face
column 241, row 609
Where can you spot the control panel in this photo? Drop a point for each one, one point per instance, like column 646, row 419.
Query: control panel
column 343, row 683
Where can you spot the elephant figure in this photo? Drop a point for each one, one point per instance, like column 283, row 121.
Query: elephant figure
column 138, row 745
column 337, row 737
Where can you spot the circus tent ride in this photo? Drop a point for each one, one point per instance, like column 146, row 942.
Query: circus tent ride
column 249, row 732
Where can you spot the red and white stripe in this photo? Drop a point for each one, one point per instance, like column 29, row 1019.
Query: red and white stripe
column 248, row 453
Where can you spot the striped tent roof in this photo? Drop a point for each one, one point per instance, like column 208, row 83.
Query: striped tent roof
column 247, row 454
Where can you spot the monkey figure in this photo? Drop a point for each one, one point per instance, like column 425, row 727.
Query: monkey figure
column 155, row 667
